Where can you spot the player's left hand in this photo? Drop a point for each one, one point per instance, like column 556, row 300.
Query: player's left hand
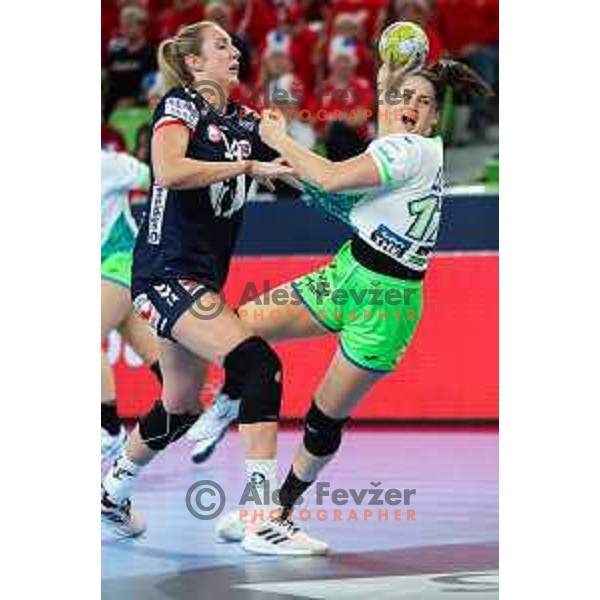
column 272, row 127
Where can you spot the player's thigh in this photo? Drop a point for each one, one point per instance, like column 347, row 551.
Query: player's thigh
column 140, row 337
column 191, row 314
column 211, row 334
column 184, row 374
column 115, row 305
column 280, row 314
column 344, row 386
column 107, row 380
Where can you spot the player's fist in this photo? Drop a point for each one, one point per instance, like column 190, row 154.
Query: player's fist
column 269, row 169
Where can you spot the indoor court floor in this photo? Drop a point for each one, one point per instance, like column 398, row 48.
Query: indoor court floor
column 449, row 550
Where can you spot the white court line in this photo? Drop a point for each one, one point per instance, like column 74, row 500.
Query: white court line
column 435, row 586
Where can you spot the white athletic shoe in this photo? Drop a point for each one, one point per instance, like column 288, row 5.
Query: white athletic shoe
column 280, row 537
column 110, row 445
column 212, row 426
column 231, row 527
column 119, row 519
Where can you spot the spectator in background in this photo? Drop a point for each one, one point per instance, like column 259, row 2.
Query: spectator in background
column 276, row 62
column 350, row 26
column 421, row 13
column 345, row 98
column 130, row 57
column 371, row 14
column 111, row 139
column 256, row 18
column 110, row 12
column 153, row 91
column 304, row 41
column 179, row 14
column 313, row 10
column 469, row 30
column 287, row 96
column 221, row 12
column 109, row 27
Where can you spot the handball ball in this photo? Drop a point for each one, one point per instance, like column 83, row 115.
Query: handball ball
column 404, row 44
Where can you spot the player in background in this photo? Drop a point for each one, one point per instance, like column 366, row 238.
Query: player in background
column 204, row 158
column 121, row 174
column 392, row 197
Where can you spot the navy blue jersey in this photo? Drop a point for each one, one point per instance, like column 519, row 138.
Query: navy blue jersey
column 191, row 234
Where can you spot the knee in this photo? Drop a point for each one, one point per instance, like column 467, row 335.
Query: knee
column 246, row 313
column 322, row 434
column 257, row 367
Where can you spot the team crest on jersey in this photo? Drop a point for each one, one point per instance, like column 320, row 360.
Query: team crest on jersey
column 214, row 133
column 245, row 148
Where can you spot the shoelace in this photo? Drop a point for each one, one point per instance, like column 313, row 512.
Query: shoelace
column 288, row 525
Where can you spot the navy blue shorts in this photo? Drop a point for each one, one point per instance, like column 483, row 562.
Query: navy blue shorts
column 161, row 303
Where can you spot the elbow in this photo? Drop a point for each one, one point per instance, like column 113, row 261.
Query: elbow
column 164, row 178
column 168, row 173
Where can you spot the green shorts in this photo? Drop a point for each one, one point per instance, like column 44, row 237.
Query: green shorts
column 375, row 315
column 117, row 268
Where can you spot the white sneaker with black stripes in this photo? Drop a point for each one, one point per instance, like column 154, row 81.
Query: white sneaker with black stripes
column 280, row 537
column 119, row 519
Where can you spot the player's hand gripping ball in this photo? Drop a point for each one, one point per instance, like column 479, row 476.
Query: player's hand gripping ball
column 404, row 44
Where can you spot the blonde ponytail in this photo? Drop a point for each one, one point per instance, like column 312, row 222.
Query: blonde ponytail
column 172, row 53
column 171, row 72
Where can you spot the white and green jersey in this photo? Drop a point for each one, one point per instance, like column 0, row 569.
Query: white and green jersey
column 120, row 174
column 401, row 217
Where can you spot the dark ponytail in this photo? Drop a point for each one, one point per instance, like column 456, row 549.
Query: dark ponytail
column 456, row 75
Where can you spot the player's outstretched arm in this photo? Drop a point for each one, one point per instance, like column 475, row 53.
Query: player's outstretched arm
column 355, row 173
column 173, row 170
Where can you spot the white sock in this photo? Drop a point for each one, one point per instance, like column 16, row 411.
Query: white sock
column 262, row 473
column 118, row 482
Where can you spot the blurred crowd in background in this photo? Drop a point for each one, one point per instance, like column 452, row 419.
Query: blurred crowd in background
column 304, row 47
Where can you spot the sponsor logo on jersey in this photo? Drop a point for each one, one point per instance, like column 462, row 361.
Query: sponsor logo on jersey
column 245, row 148
column 389, row 242
column 157, row 214
column 182, row 109
column 165, row 291
column 214, row 133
